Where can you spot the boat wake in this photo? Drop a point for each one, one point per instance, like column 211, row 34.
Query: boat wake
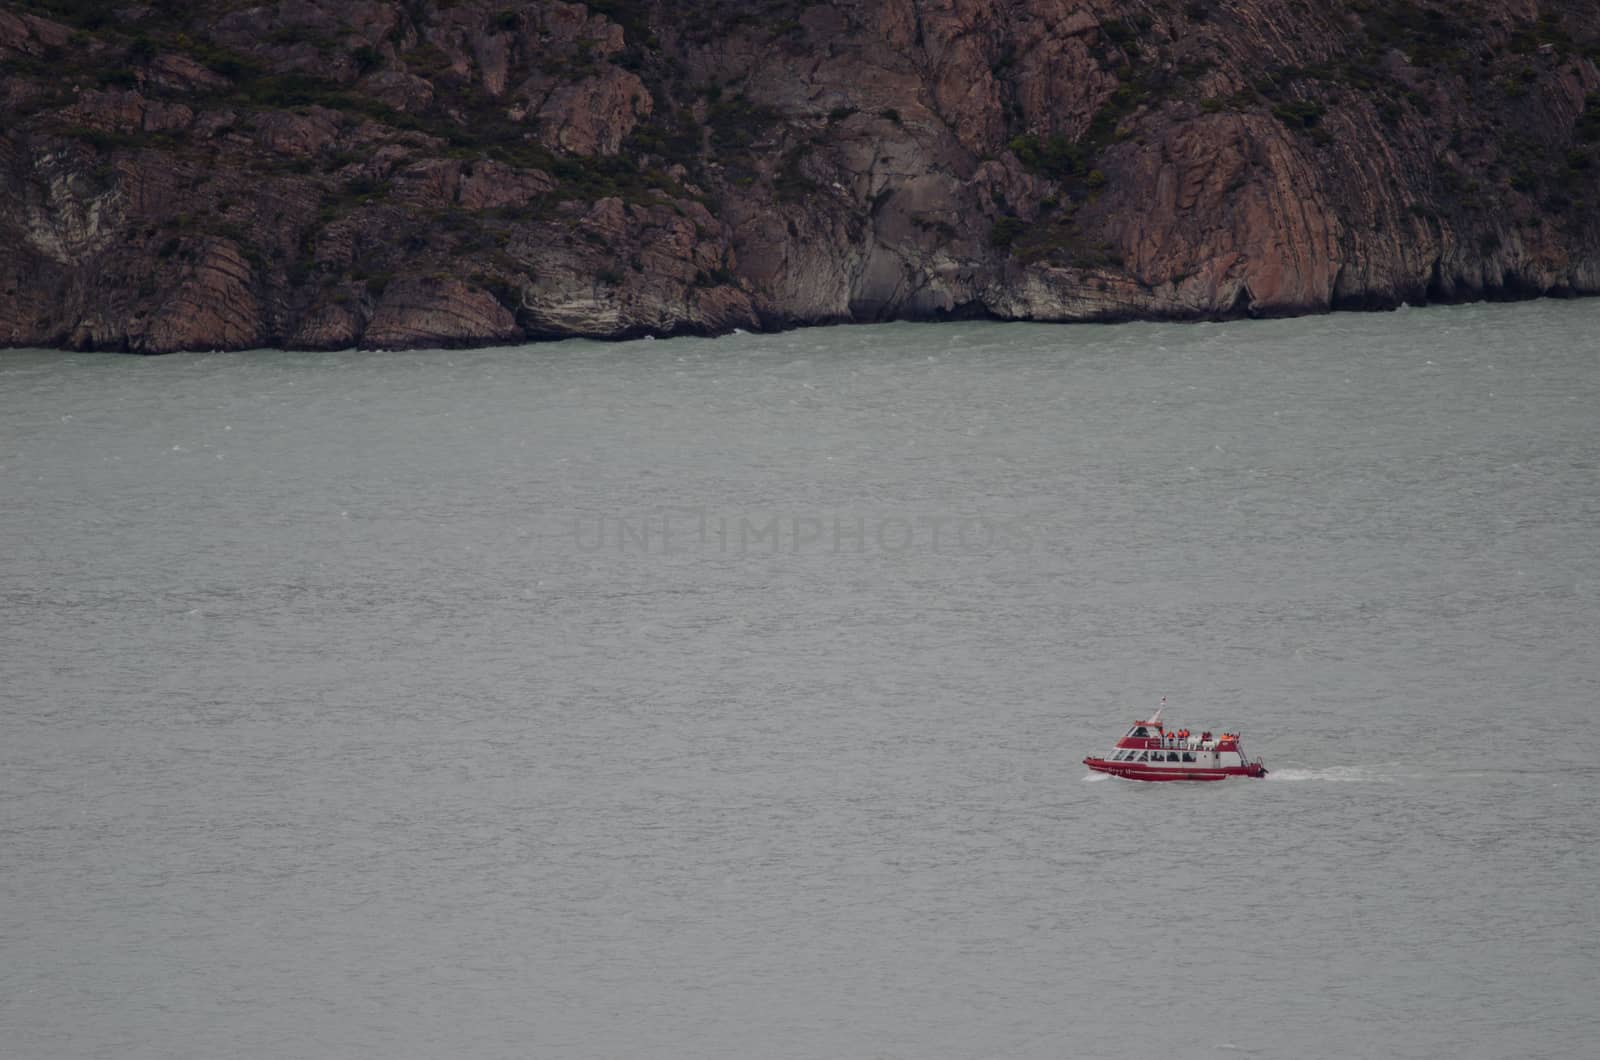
column 1095, row 778
column 1333, row 774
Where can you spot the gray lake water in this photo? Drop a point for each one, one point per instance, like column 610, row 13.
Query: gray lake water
column 726, row 698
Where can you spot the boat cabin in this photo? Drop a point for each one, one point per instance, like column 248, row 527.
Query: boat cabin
column 1149, row 750
column 1149, row 734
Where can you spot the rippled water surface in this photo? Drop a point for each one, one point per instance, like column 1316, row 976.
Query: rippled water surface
column 726, row 698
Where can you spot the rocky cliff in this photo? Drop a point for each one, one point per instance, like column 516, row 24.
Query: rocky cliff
column 328, row 173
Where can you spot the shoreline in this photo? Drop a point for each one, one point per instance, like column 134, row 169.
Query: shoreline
column 637, row 335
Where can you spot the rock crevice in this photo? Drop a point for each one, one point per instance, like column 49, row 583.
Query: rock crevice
column 388, row 173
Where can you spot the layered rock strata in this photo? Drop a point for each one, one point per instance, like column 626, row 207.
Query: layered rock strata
column 319, row 174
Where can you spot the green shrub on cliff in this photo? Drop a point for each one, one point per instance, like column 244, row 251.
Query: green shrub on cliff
column 87, row 14
column 1587, row 128
column 1303, row 115
column 791, row 182
column 1005, row 232
column 1056, row 156
column 1061, row 241
column 632, row 15
column 738, row 123
column 1428, row 36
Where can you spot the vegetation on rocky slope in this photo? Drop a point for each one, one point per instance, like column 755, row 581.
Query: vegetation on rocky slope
column 395, row 172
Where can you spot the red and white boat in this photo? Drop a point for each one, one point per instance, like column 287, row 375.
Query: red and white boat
column 1152, row 751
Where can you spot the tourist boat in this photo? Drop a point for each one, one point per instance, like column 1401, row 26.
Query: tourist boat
column 1151, row 751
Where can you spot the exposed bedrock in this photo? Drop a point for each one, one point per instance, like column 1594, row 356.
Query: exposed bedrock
column 386, row 174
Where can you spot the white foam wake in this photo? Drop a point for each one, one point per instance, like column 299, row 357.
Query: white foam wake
column 1335, row 774
column 1095, row 778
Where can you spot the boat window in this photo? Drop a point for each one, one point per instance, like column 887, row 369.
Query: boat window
column 1188, row 757
column 1144, row 756
column 1172, row 756
column 1141, row 731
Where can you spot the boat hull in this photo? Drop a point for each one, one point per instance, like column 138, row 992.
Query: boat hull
column 1140, row 771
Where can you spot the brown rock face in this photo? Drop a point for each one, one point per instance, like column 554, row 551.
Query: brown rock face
column 404, row 92
column 29, row 36
column 388, row 173
column 431, row 312
column 214, row 306
column 593, row 116
column 493, row 185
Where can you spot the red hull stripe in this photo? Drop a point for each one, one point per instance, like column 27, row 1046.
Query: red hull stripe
column 1134, row 771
